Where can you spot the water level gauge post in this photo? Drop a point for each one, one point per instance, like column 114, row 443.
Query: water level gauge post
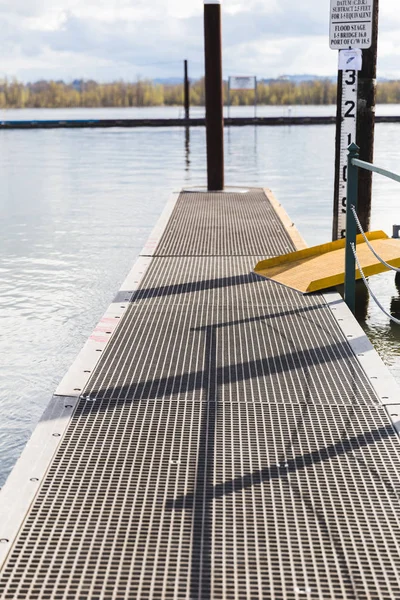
column 351, row 31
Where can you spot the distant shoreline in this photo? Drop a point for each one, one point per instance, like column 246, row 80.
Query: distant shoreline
column 146, row 93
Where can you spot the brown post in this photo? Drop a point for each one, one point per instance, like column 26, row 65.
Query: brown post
column 186, row 91
column 214, row 94
column 366, row 121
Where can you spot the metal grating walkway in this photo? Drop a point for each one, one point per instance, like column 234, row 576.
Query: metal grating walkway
column 227, row 445
column 218, row 224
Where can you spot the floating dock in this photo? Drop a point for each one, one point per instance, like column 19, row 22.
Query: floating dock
column 179, row 122
column 219, row 437
column 133, row 123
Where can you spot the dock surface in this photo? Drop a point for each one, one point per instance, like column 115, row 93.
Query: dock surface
column 227, row 443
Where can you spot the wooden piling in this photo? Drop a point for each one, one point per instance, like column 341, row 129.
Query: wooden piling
column 186, row 91
column 214, row 95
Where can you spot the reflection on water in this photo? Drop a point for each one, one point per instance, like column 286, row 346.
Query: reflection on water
column 395, row 302
column 187, row 149
column 383, row 333
column 77, row 206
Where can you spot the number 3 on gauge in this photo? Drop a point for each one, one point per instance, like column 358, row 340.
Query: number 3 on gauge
column 350, row 77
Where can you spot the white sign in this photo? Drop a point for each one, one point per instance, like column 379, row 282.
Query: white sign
column 350, row 59
column 242, row 83
column 351, row 24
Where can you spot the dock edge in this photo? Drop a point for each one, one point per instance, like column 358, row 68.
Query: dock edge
column 377, row 373
column 23, row 482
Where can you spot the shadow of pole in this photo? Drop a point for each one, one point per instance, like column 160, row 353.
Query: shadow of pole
column 298, row 462
column 187, row 149
column 201, row 565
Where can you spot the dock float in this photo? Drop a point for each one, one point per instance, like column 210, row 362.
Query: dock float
column 322, row 267
column 134, row 123
column 180, row 122
column 219, row 437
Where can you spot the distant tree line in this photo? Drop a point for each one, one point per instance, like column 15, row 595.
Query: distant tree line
column 57, row 94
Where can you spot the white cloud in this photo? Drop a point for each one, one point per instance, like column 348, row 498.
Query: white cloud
column 121, row 38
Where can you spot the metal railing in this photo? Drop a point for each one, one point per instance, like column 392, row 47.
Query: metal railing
column 353, row 222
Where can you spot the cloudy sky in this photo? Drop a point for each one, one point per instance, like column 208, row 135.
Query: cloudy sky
column 123, row 39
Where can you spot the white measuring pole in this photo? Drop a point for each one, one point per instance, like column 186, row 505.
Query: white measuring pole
column 348, row 128
column 255, row 97
column 229, row 97
column 350, row 33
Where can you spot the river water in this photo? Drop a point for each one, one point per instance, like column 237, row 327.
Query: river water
column 78, row 205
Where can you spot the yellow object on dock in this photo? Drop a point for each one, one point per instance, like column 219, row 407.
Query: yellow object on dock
column 322, row 267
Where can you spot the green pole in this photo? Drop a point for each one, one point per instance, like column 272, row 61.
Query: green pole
column 351, row 229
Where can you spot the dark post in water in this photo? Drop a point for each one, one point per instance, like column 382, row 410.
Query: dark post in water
column 351, row 229
column 214, row 94
column 366, row 121
column 186, row 91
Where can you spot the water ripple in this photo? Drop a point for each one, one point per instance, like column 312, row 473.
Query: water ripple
column 75, row 215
